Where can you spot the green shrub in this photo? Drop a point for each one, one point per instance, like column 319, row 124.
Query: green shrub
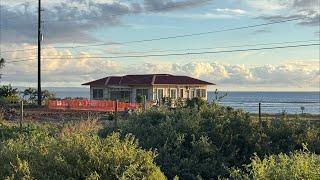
column 297, row 165
column 72, row 154
column 205, row 144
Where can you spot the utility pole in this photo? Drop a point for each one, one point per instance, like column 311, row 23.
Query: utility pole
column 39, row 54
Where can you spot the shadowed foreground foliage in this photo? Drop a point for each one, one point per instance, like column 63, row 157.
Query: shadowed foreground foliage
column 208, row 143
column 76, row 155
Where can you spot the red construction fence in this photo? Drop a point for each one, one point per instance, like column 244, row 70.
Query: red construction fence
column 90, row 105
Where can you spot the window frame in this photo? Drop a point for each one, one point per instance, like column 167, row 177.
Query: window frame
column 98, row 94
column 181, row 95
column 144, row 92
column 171, row 93
column 162, row 89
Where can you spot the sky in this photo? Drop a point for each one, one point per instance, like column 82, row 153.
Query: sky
column 87, row 40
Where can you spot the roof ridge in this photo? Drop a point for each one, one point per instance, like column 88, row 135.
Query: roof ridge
column 153, row 79
column 107, row 81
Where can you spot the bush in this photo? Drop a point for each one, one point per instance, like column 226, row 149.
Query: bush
column 205, row 144
column 297, row 165
column 74, row 155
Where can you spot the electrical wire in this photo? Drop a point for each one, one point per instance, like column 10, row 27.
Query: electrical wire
column 21, row 60
column 192, row 53
column 182, row 36
column 205, row 48
column 165, row 38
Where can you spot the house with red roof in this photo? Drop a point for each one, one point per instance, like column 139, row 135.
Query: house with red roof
column 152, row 86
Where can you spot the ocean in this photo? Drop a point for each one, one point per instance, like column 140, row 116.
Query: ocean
column 271, row 102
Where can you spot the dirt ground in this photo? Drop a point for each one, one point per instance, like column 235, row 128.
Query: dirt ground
column 50, row 116
column 308, row 117
column 55, row 116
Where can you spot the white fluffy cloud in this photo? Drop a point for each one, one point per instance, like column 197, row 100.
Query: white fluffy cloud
column 71, row 69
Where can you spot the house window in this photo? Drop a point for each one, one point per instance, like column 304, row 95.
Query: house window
column 173, row 93
column 201, row 93
column 191, row 95
column 160, row 93
column 143, row 92
column 123, row 96
column 181, row 93
column 97, row 93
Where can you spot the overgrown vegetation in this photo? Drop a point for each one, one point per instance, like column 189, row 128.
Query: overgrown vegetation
column 210, row 142
column 74, row 151
column 10, row 95
column 207, row 143
column 297, row 165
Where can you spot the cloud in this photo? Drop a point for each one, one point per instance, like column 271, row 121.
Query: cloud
column 83, row 68
column 268, row 6
column 308, row 9
column 225, row 13
column 170, row 5
column 262, row 31
column 71, row 21
column 235, row 12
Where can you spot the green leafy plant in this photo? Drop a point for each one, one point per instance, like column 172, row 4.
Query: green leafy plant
column 296, row 165
column 74, row 152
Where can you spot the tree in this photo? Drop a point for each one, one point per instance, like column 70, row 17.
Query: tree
column 28, row 92
column 8, row 94
column 2, row 62
column 7, row 91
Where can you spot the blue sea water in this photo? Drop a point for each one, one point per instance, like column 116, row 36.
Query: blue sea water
column 271, row 102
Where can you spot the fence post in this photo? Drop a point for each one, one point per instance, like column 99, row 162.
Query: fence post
column 259, row 112
column 116, row 115
column 21, row 116
column 144, row 102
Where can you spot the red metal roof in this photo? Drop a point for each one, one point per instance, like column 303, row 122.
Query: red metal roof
column 148, row 79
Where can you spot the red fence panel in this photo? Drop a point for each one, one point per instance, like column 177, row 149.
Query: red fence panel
column 89, row 105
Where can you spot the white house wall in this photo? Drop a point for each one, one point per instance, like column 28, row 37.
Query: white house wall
column 186, row 90
column 152, row 90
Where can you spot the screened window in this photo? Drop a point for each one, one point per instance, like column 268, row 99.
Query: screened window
column 97, row 93
column 143, row 92
column 173, row 93
column 201, row 93
column 160, row 93
column 181, row 93
column 191, row 94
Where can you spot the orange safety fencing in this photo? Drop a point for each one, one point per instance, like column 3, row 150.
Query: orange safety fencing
column 90, row 105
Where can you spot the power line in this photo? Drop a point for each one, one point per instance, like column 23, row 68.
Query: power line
column 165, row 38
column 205, row 48
column 21, row 60
column 138, row 12
column 185, row 35
column 17, row 50
column 175, row 54
column 186, row 49
column 193, row 53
